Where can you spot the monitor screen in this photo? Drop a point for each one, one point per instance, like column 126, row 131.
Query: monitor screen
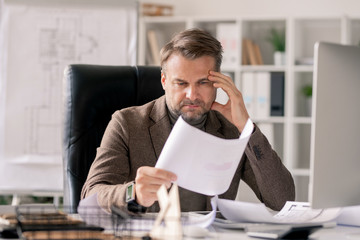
column 335, row 129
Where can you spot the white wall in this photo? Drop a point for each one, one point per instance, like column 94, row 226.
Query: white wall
column 262, row 7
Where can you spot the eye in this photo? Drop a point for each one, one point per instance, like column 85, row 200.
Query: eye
column 180, row 83
column 203, row 82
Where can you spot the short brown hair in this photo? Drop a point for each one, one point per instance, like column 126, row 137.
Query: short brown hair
column 192, row 44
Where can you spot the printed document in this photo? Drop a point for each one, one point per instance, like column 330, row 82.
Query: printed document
column 202, row 162
column 291, row 213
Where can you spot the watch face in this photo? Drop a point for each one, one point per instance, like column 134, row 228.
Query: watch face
column 130, row 194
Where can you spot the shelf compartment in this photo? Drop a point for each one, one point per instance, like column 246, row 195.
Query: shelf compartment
column 355, row 31
column 310, row 31
column 211, row 26
column 274, row 132
column 163, row 32
column 259, row 31
column 301, row 188
column 301, row 139
column 303, row 104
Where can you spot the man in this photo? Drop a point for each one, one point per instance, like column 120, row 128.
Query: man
column 135, row 136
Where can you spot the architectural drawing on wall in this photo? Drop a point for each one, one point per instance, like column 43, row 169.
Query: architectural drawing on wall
column 39, row 42
column 61, row 42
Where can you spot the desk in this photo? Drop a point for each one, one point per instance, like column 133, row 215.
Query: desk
column 337, row 233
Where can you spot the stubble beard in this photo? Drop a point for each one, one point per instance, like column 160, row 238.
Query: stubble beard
column 191, row 115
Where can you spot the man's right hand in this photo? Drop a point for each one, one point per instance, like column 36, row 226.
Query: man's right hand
column 148, row 181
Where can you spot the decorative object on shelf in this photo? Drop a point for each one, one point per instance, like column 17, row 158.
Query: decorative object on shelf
column 277, row 39
column 149, row 9
column 305, row 61
column 307, row 91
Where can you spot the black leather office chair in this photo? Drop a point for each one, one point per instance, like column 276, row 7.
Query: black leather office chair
column 92, row 93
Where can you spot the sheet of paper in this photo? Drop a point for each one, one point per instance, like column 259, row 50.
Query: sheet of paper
column 349, row 216
column 204, row 220
column 202, row 162
column 91, row 212
column 244, row 211
column 301, row 212
column 291, row 213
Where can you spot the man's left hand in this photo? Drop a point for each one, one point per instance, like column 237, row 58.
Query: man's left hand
column 234, row 110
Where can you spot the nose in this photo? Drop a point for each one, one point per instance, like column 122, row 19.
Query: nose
column 191, row 93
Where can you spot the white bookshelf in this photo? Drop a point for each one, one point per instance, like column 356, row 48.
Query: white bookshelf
column 291, row 131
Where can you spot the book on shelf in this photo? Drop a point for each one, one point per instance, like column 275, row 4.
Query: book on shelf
column 258, row 55
column 256, row 93
column 154, row 47
column 251, row 54
column 263, row 93
column 277, row 93
column 248, row 92
column 229, row 36
column 154, row 9
column 262, row 86
column 244, row 53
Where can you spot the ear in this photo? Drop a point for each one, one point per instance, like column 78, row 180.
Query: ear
column 163, row 80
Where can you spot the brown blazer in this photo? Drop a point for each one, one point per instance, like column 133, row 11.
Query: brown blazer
column 135, row 137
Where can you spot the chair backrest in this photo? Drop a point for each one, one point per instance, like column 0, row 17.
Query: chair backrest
column 92, row 93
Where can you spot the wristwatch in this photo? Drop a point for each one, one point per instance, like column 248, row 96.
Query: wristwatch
column 130, row 192
column 132, row 205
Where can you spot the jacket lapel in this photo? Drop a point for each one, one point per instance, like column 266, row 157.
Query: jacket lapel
column 161, row 129
column 213, row 125
column 219, row 126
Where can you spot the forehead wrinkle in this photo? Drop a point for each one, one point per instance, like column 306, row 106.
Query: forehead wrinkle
column 183, row 80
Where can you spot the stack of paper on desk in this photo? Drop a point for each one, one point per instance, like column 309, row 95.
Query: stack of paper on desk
column 291, row 213
column 202, row 162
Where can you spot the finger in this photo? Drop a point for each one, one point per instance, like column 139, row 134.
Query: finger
column 149, row 187
column 157, row 173
column 146, row 180
column 229, row 89
column 216, row 106
column 224, row 82
column 219, row 75
column 221, row 107
column 146, row 198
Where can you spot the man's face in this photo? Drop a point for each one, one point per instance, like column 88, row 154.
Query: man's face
column 188, row 91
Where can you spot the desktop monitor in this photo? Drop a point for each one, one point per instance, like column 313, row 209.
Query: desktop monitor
column 335, row 129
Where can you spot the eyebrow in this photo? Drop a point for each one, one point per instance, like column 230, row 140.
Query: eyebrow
column 199, row 80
